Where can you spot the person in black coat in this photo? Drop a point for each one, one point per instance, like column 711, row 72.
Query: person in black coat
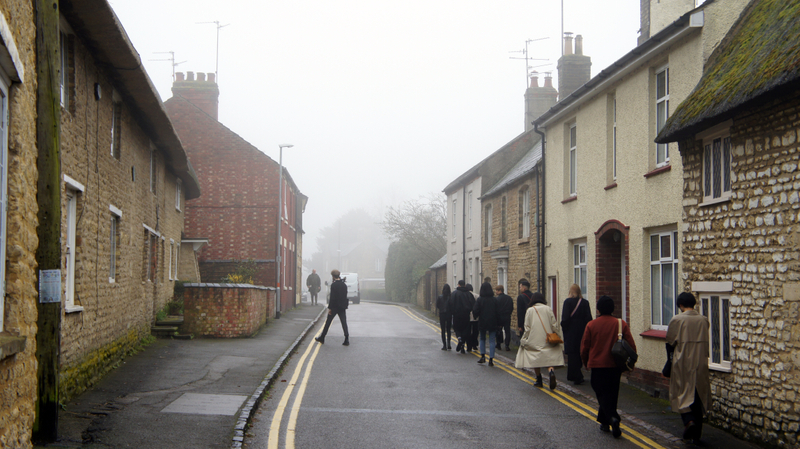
column 486, row 311
column 472, row 341
column 462, row 302
column 337, row 305
column 523, row 302
column 445, row 317
column 575, row 315
column 505, row 307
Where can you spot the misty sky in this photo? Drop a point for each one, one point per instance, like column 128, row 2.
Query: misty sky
column 384, row 101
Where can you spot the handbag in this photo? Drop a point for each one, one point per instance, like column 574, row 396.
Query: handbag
column 552, row 337
column 667, row 371
column 623, row 354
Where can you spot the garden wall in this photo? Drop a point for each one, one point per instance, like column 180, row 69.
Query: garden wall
column 226, row 310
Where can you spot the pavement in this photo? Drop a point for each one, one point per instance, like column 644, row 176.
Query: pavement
column 202, row 393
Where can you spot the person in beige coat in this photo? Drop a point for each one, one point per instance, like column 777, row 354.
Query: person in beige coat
column 534, row 351
column 689, row 388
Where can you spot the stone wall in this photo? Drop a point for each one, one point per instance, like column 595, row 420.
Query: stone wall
column 226, row 310
column 752, row 241
column 17, row 362
column 107, row 310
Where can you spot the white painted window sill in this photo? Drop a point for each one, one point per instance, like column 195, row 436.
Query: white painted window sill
column 73, row 309
column 711, row 202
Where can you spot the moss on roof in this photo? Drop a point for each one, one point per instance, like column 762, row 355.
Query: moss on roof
column 760, row 53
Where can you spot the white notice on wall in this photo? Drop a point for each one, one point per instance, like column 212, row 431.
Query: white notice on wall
column 49, row 286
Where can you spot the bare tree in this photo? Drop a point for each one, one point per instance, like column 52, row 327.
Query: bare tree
column 421, row 223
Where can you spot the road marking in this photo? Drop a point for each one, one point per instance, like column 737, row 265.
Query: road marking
column 291, row 427
column 275, row 427
column 571, row 402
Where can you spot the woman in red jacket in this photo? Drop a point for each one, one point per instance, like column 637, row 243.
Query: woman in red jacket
column 598, row 339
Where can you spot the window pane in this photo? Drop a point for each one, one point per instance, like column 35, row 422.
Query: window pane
column 582, row 250
column 666, row 247
column 707, row 171
column 654, row 248
column 573, row 136
column 716, row 356
column 667, row 293
column 655, row 293
column 726, row 330
column 573, row 171
column 726, row 164
column 661, row 84
column 716, row 168
column 583, row 279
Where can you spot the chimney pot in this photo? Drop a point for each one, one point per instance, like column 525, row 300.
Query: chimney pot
column 211, row 77
column 548, row 81
column 189, row 76
column 534, row 79
column 179, row 76
column 567, row 43
column 201, row 76
column 579, row 45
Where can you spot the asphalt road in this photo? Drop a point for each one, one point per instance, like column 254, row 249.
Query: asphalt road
column 394, row 388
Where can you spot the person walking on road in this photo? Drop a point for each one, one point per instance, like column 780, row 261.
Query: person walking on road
column 472, row 342
column 523, row 302
column 445, row 317
column 689, row 389
column 534, row 350
column 486, row 311
column 505, row 307
column 313, row 283
column 337, row 305
column 576, row 314
column 598, row 339
column 461, row 302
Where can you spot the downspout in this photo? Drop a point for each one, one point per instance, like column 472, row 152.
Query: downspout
column 540, row 203
column 464, row 233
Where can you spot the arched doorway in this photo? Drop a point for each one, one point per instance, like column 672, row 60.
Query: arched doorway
column 612, row 275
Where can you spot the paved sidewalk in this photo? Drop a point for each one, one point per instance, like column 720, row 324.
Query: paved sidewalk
column 184, row 393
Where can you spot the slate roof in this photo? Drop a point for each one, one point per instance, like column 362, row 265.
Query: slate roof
column 758, row 59
column 523, row 168
column 439, row 263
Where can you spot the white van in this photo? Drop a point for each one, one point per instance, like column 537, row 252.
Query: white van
column 353, row 291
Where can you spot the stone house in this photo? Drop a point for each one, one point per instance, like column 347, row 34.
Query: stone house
column 612, row 203
column 430, row 285
column 18, row 220
column 125, row 182
column 238, row 209
column 738, row 138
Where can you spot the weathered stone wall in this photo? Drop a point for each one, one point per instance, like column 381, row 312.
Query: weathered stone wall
column 188, row 269
column 18, row 369
column 107, row 311
column 226, row 310
column 752, row 241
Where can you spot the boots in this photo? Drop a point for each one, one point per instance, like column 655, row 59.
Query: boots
column 491, row 361
column 320, row 339
column 552, row 380
column 483, row 359
column 539, row 382
column 346, row 341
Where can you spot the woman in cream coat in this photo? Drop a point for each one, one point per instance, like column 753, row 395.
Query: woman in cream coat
column 534, row 351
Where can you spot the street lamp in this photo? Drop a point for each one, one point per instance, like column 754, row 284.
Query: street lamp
column 278, row 229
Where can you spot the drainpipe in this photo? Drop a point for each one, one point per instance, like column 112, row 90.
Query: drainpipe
column 541, row 216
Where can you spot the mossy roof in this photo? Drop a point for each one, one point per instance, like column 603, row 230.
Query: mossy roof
column 760, row 56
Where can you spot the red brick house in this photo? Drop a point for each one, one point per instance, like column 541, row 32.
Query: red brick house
column 238, row 209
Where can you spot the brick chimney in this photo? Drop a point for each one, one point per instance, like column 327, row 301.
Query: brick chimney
column 538, row 99
column 574, row 69
column 202, row 92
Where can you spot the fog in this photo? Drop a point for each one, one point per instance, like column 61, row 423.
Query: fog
column 384, row 101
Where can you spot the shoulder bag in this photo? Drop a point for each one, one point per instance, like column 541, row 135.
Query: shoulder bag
column 667, row 370
column 623, row 354
column 552, row 337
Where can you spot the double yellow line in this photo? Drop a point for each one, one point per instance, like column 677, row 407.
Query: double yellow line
column 570, row 401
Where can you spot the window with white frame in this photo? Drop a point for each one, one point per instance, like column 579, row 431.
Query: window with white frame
column 524, row 212
column 579, row 265
column 717, row 165
column 116, row 129
column 171, row 253
column 471, row 279
column 178, row 187
column 150, row 255
column 113, row 242
column 487, row 226
column 455, row 204
column 175, row 265
column 503, row 220
column 4, row 117
column 662, row 112
column 573, row 160
column 716, row 307
column 455, row 274
column 502, row 273
column 663, row 277
column 469, row 214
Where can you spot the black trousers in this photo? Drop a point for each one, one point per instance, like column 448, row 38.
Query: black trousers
column 473, row 334
column 695, row 414
column 574, row 364
column 313, row 298
column 342, row 317
column 504, row 325
column 605, row 383
column 445, row 324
